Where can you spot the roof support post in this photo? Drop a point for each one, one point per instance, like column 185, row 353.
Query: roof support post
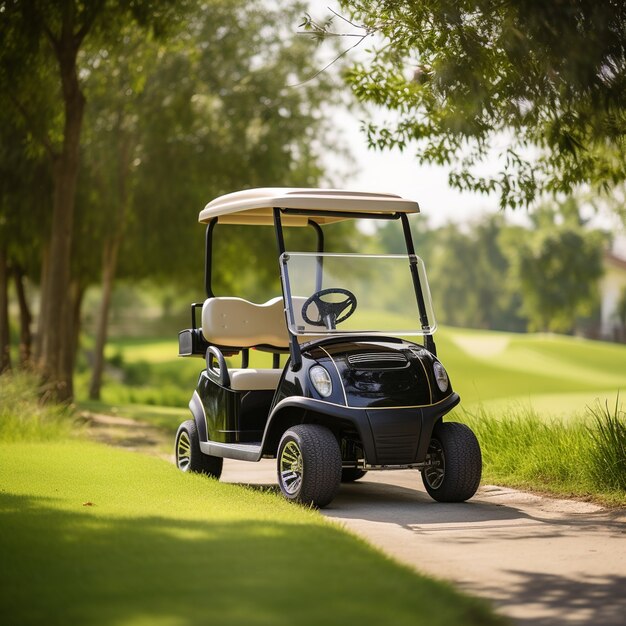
column 294, row 346
column 429, row 342
column 208, row 257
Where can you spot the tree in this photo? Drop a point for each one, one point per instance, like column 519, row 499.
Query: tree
column 546, row 79
column 37, row 34
column 172, row 124
column 25, row 198
column 556, row 267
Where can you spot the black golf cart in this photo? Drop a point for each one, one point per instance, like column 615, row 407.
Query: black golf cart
column 354, row 395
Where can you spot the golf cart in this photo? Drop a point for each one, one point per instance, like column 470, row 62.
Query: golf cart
column 354, row 395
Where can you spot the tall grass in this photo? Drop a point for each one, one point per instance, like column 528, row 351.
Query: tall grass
column 584, row 456
column 23, row 417
column 608, row 452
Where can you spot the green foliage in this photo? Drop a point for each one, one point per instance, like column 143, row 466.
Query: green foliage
column 93, row 535
column 462, row 76
column 494, row 275
column 214, row 116
column 608, row 453
column 556, row 267
column 470, row 277
column 23, row 415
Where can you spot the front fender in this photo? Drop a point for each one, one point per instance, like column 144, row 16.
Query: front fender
column 298, row 410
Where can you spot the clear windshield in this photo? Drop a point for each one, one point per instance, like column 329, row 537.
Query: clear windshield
column 354, row 293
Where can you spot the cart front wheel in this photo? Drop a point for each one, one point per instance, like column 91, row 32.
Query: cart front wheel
column 309, row 465
column 189, row 457
column 454, row 463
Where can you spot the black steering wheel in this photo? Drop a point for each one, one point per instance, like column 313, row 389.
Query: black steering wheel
column 330, row 313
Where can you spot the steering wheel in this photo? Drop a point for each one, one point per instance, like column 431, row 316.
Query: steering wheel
column 330, row 313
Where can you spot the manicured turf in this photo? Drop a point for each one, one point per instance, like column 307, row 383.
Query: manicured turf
column 556, row 374
column 93, row 535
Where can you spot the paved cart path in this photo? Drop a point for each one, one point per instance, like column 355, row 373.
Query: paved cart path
column 541, row 561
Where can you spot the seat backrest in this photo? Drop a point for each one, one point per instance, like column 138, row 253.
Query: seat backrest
column 235, row 322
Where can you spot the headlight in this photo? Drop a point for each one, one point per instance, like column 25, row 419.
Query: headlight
column 321, row 380
column 440, row 376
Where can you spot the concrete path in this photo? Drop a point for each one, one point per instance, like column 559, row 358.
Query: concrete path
column 540, row 561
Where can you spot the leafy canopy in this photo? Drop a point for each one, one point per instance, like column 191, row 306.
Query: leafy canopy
column 546, row 79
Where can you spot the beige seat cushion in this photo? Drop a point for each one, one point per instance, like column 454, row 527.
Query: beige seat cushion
column 238, row 323
column 254, row 379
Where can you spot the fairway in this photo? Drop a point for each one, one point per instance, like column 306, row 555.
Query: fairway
column 557, row 375
column 94, row 535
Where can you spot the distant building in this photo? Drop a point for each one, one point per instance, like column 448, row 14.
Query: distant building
column 612, row 286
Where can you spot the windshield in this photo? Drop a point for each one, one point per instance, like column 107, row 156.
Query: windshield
column 354, row 293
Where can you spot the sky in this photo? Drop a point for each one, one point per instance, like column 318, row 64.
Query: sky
column 398, row 172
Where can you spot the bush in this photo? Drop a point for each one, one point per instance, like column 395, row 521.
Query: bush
column 24, row 417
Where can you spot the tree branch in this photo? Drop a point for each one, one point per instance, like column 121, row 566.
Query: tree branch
column 339, row 56
column 90, row 18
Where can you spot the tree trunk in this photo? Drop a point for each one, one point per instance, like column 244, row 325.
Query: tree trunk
column 71, row 341
column 109, row 266
column 26, row 318
column 5, row 337
column 56, row 290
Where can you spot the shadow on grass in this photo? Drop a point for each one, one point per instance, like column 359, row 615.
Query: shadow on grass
column 66, row 567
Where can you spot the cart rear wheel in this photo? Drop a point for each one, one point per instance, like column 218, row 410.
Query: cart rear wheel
column 350, row 474
column 455, row 463
column 309, row 464
column 189, row 457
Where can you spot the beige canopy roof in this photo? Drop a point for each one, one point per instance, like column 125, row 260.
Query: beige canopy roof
column 255, row 206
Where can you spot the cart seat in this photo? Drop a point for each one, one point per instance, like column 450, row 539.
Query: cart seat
column 254, row 379
column 235, row 322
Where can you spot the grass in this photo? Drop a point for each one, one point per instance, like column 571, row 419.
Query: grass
column 585, row 458
column 94, row 535
column 608, row 454
column 560, row 374
column 24, row 418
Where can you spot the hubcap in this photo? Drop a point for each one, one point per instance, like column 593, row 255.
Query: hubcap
column 436, row 469
column 290, row 468
column 183, row 451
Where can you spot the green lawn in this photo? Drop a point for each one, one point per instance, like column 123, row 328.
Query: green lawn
column 556, row 375
column 98, row 536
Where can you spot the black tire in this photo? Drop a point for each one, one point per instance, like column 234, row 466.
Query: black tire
column 350, row 474
column 189, row 457
column 454, row 474
column 309, row 465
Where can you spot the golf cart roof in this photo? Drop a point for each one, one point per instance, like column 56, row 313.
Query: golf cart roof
column 255, row 206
